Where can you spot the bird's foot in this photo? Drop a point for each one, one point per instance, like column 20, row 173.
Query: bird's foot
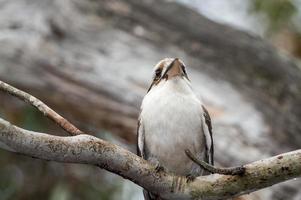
column 156, row 163
column 190, row 178
column 159, row 168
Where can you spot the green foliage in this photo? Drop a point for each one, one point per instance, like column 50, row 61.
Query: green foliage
column 278, row 12
column 25, row 178
column 1, row 113
column 32, row 119
column 8, row 184
column 60, row 192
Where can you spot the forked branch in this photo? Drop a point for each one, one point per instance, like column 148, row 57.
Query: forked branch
column 91, row 150
column 42, row 107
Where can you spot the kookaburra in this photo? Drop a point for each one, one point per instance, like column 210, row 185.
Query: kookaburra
column 173, row 119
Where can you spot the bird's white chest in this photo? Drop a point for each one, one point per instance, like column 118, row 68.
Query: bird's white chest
column 171, row 117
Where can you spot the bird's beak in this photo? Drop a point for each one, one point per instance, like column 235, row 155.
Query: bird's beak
column 173, row 69
column 150, row 87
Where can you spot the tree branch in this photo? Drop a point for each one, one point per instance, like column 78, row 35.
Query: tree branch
column 216, row 170
column 84, row 149
column 48, row 112
column 91, row 150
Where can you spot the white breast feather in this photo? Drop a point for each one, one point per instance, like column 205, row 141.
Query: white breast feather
column 172, row 119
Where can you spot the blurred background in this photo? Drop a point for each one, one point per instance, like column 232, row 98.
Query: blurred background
column 92, row 62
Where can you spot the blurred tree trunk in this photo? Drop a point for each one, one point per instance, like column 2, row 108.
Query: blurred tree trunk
column 68, row 50
column 92, row 62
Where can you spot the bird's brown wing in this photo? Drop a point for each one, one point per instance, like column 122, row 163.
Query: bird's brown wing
column 141, row 152
column 207, row 129
column 140, row 139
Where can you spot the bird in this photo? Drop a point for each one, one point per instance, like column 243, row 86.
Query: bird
column 172, row 118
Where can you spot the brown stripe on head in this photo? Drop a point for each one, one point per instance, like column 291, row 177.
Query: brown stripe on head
column 163, row 63
column 161, row 67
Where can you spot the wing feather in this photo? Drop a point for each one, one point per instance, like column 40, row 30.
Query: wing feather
column 140, row 139
column 209, row 154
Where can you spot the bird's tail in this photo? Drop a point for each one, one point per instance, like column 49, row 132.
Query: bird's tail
column 150, row 196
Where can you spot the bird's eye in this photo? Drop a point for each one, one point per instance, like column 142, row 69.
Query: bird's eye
column 157, row 73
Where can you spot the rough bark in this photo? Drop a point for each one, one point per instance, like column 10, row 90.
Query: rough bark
column 91, row 150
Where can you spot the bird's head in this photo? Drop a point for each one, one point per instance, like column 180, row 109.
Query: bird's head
column 168, row 69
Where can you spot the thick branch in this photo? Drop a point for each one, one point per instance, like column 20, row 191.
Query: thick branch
column 90, row 150
column 84, row 149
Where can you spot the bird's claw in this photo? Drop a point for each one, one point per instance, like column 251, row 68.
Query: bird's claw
column 190, row 178
column 159, row 168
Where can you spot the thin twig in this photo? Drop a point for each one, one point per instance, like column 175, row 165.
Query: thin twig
column 48, row 112
column 215, row 170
